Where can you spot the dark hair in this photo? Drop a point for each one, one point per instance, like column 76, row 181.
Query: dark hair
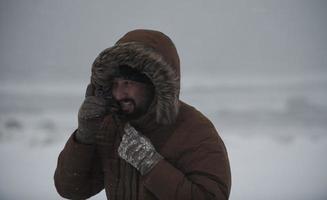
column 129, row 73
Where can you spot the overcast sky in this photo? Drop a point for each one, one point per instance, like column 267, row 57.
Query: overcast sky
column 277, row 40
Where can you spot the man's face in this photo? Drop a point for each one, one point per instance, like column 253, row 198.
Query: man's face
column 133, row 97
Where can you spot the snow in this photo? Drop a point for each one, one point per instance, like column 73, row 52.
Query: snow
column 266, row 169
column 275, row 152
column 262, row 168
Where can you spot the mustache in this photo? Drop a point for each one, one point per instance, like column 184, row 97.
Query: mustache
column 126, row 100
column 120, row 111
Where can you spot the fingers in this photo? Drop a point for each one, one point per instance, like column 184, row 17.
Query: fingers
column 136, row 149
column 128, row 147
column 130, row 130
column 89, row 90
column 92, row 107
column 97, row 101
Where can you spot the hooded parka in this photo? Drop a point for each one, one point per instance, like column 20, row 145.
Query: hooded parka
column 195, row 164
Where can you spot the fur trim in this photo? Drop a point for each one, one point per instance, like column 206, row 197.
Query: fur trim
column 153, row 65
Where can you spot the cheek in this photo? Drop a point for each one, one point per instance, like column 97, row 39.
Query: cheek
column 114, row 93
column 142, row 95
column 147, row 97
column 139, row 96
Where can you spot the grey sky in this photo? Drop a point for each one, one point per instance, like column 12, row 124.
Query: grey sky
column 230, row 40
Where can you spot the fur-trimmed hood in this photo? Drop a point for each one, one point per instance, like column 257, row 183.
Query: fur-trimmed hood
column 154, row 54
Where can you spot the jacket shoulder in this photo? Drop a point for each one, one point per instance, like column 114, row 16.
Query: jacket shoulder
column 192, row 131
column 193, row 123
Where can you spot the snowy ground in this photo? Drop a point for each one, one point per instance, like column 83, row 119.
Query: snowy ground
column 276, row 142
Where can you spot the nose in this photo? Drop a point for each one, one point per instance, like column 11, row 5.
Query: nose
column 119, row 92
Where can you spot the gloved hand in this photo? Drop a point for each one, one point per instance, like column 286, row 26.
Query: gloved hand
column 138, row 150
column 90, row 116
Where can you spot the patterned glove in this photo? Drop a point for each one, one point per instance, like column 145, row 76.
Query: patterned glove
column 138, row 150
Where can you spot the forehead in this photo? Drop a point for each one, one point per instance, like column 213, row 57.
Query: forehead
column 119, row 79
column 122, row 79
column 134, row 84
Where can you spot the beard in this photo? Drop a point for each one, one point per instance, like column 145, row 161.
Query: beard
column 130, row 110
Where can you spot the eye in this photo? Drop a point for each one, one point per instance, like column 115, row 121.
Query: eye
column 128, row 82
column 114, row 84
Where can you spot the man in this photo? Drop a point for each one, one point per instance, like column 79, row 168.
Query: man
column 135, row 138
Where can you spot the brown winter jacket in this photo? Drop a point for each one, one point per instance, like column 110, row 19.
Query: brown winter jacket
column 195, row 164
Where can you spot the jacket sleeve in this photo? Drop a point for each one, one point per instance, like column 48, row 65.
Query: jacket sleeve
column 78, row 174
column 203, row 173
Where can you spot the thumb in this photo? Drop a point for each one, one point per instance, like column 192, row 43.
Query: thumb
column 89, row 90
column 130, row 130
